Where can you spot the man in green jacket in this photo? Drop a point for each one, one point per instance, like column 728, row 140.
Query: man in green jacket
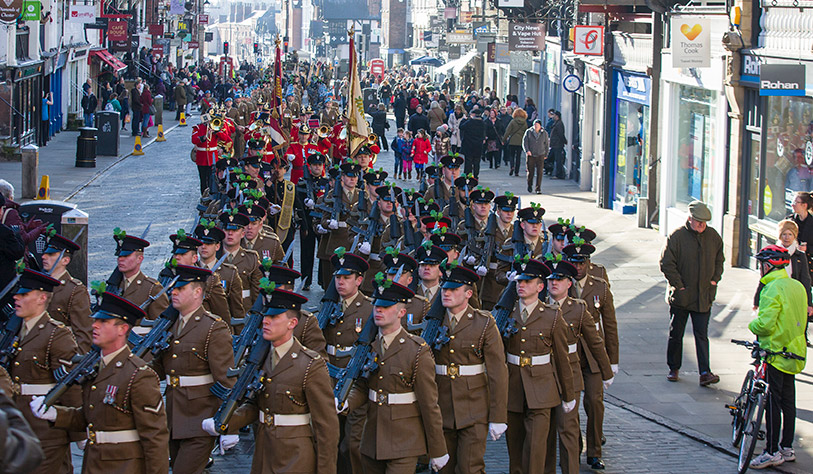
column 692, row 263
column 780, row 327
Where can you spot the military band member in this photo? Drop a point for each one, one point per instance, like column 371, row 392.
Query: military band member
column 297, row 432
column 298, row 153
column 267, row 245
column 308, row 217
column 199, row 355
column 471, row 375
column 449, row 173
column 227, row 274
column 44, row 346
column 70, row 304
column 337, row 231
column 136, row 287
column 400, row 397
column 539, row 371
column 122, row 409
column 185, row 252
column 205, row 141
column 583, row 343
column 246, row 261
column 596, row 293
column 233, row 113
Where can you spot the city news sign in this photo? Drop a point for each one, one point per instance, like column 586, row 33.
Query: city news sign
column 691, row 42
column 588, row 40
column 782, row 79
column 526, row 37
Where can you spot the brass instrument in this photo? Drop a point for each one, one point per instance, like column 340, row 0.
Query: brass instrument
column 216, row 124
column 323, row 132
column 372, row 139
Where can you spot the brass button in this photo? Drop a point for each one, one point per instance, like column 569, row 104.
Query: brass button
column 338, row 333
column 174, row 356
column 91, row 407
column 177, row 341
column 524, row 328
column 93, row 387
column 451, row 337
column 90, row 425
column 522, row 340
column 451, row 351
column 16, row 363
column 522, row 352
column 172, row 371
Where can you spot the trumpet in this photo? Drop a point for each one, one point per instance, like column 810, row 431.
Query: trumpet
column 216, row 124
column 323, row 132
column 372, row 139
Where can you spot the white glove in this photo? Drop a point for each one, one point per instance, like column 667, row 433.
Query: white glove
column 512, row 275
column 569, row 406
column 481, row 270
column 228, row 441
column 321, row 230
column 365, row 248
column 40, row 411
column 437, row 463
column 614, row 368
column 82, row 444
column 340, row 407
column 208, row 425
column 333, row 224
column 309, row 203
column 274, row 209
column 495, row 430
column 470, row 260
column 608, row 382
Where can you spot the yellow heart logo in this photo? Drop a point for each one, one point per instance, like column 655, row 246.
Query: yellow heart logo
column 692, row 32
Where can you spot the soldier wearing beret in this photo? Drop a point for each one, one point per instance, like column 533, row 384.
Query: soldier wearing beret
column 227, row 275
column 246, row 261
column 136, row 287
column 71, row 301
column 122, row 409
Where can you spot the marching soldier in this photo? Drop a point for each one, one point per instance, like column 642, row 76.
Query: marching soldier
column 185, row 252
column 337, row 230
column 297, row 432
column 70, row 304
column 44, row 346
column 205, row 141
column 506, row 208
column 199, row 355
column 587, row 235
column 330, row 114
column 394, row 262
column 282, row 195
column 227, row 274
column 246, row 261
column 449, row 173
column 429, row 258
column 340, row 152
column 583, row 343
column 298, row 153
column 372, row 180
column 251, row 164
column 307, row 329
column 400, row 397
column 480, row 204
column 596, row 293
column 122, row 409
column 136, row 287
column 387, row 200
column 267, row 245
column 530, row 220
column 238, row 138
column 559, row 236
column 471, row 375
column 364, row 157
column 318, row 185
column 538, row 370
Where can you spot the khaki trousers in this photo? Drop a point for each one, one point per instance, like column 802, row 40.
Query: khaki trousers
column 594, row 408
column 190, row 456
column 467, row 449
column 389, row 466
column 527, row 436
column 566, row 425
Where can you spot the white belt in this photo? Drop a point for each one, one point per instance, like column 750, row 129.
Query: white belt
column 285, row 420
column 189, row 380
column 462, row 370
column 524, row 361
column 339, row 351
column 36, row 388
column 197, row 148
column 342, row 224
column 392, row 398
column 492, row 266
column 246, row 293
column 375, row 257
column 571, row 348
column 113, row 437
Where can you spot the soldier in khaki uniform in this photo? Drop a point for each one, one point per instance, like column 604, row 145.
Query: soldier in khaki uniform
column 237, row 137
column 185, row 252
column 596, row 293
column 471, row 375
column 583, row 342
column 70, row 304
column 449, row 173
column 267, row 245
column 451, row 244
column 480, row 208
column 337, row 231
column 136, row 287
column 356, row 309
column 394, row 262
column 122, row 409
column 297, row 432
column 44, row 346
column 246, row 261
column 429, row 258
column 387, row 198
column 401, row 397
column 227, row 274
column 588, row 236
column 530, row 220
column 307, row 329
column 539, row 371
column 199, row 355
column 559, row 236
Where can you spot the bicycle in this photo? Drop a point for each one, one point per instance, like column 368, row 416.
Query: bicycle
column 748, row 407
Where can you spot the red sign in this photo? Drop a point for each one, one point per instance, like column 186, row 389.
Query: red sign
column 157, row 50
column 203, row 19
column 193, row 45
column 117, row 30
column 377, row 66
column 156, row 30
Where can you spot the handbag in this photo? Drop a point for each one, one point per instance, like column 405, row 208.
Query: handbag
column 152, row 109
column 491, row 145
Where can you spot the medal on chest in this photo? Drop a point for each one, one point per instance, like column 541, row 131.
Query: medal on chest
column 110, row 395
column 359, row 323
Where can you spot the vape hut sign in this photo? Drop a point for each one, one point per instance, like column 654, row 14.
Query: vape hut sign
column 526, row 37
column 782, row 79
column 691, row 42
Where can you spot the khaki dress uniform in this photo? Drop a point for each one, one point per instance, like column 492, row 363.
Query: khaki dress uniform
column 229, row 278
column 491, row 290
column 596, row 293
column 248, row 267
column 298, row 429
column 445, row 192
column 582, row 338
column 5, row 382
column 123, row 413
column 599, row 271
column 140, row 290
column 540, row 378
column 215, row 300
column 340, row 237
column 238, row 137
column 307, row 330
column 417, row 309
column 267, row 246
column 374, row 259
column 472, row 381
column 47, row 346
column 538, row 252
column 199, row 355
column 401, row 400
column 71, row 305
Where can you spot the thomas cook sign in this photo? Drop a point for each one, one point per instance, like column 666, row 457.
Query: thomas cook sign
column 10, row 10
column 691, row 42
column 782, row 79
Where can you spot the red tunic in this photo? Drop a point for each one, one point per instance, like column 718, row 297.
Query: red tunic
column 300, row 154
column 205, row 150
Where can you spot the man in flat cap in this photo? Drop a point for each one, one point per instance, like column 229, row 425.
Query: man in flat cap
column 692, row 262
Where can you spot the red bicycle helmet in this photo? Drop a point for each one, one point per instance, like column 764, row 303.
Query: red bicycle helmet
column 775, row 255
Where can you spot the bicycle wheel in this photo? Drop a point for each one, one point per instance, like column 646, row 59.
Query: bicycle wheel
column 752, row 424
column 738, row 410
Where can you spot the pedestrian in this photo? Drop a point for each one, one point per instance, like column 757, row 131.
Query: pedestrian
column 418, row 121
column 493, row 140
column 503, row 120
column 407, row 157
column 89, row 104
column 147, row 110
column 45, row 123
column 124, row 100
column 797, row 269
column 436, row 116
column 473, row 137
column 399, row 108
column 535, row 144
column 692, row 262
column 441, row 143
column 454, row 126
column 398, row 149
column 530, row 109
column 421, row 147
column 513, row 139
column 778, row 326
column 380, row 124
column 135, row 105
column 802, row 207
column 557, row 146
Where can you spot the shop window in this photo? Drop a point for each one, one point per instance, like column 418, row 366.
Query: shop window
column 695, row 154
column 633, row 146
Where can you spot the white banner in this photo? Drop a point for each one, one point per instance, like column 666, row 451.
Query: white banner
column 691, row 42
column 83, row 14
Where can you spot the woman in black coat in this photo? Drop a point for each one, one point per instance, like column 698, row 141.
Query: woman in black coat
column 798, row 269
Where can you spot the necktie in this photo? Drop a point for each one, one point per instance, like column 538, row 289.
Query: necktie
column 180, row 324
column 383, row 346
column 578, row 290
column 124, row 285
column 452, row 322
column 524, row 315
column 23, row 332
column 230, row 258
column 274, row 359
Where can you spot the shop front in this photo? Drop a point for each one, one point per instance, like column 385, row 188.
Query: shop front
column 20, row 96
column 629, row 139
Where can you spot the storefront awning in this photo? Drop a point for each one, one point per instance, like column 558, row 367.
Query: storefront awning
column 108, row 59
column 458, row 64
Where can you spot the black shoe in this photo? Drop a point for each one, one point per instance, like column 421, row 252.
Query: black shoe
column 210, row 463
column 603, row 440
column 529, row 189
column 595, row 463
column 538, row 191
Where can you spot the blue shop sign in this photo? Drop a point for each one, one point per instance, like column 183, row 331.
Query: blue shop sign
column 632, row 87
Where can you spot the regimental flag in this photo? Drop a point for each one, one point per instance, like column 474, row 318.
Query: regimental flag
column 358, row 129
column 277, row 105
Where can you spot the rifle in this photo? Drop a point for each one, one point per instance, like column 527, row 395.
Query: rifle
column 438, row 193
column 251, row 332
column 157, row 340
column 505, row 305
column 10, row 339
column 330, row 310
column 84, row 369
column 471, row 232
column 454, row 210
column 249, row 382
column 423, row 186
column 372, row 226
column 434, row 332
column 8, row 310
column 488, row 248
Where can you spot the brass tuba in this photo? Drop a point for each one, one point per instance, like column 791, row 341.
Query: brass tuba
column 323, row 132
column 372, row 139
column 216, row 124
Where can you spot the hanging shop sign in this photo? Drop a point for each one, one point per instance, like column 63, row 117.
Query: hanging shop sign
column 117, row 30
column 10, row 10
column 691, row 42
column 588, row 40
column 526, row 36
column 782, row 79
column 31, row 10
column 83, row 14
column 632, row 87
column 572, row 83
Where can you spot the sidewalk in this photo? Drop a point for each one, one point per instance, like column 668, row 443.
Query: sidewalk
column 58, row 160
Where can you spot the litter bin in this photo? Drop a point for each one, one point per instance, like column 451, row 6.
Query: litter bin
column 158, row 118
column 370, row 98
column 107, row 124
column 68, row 221
column 86, row 148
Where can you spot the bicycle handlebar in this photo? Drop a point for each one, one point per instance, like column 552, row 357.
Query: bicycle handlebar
column 755, row 345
